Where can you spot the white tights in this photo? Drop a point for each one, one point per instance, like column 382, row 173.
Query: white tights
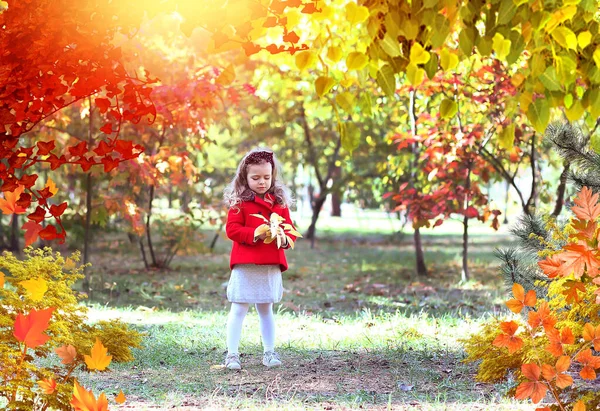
column 236, row 319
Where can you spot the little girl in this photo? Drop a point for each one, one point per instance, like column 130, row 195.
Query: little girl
column 256, row 266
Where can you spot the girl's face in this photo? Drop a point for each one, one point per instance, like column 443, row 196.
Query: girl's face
column 259, row 178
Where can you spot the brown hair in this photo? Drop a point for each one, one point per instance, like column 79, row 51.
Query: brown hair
column 238, row 190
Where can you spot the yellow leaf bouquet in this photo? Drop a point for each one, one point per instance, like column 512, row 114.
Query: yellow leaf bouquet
column 276, row 230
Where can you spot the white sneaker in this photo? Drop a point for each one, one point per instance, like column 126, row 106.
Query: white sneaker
column 232, row 362
column 271, row 359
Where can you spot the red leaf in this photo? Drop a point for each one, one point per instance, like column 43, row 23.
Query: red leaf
column 107, row 128
column 103, row 104
column 8, row 204
column 103, row 148
column 38, row 215
column 85, row 163
column 78, row 150
column 56, row 162
column 471, row 212
column 32, row 230
column 292, row 37
column 28, row 180
column 57, row 211
column 49, row 233
column 45, row 148
column 24, row 200
column 110, row 163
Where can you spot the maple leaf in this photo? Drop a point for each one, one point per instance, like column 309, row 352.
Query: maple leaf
column 589, row 362
column 29, row 329
column 44, row 148
column 521, row 299
column 51, row 186
column 38, row 215
column 1, row 280
column 558, row 339
column 558, row 371
column 579, row 406
column 508, row 338
column 35, row 288
column 541, row 317
column 576, row 258
column 99, row 359
column 48, row 386
column 84, row 400
column 571, row 288
column 32, row 230
column 120, row 399
column 592, row 334
column 8, row 203
column 58, row 210
column 67, row 353
column 534, row 388
column 586, row 205
column 586, row 230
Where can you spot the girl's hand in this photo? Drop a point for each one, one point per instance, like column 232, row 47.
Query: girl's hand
column 261, row 237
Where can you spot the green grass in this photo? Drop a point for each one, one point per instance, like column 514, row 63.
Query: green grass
column 356, row 328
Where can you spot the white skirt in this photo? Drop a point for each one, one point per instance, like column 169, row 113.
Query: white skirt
column 251, row 283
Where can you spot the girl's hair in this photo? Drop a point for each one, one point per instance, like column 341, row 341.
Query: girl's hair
column 238, row 190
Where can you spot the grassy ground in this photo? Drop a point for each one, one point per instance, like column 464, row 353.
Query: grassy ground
column 355, row 329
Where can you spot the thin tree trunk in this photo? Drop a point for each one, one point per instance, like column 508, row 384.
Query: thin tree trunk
column 143, row 251
column 88, row 208
column 561, row 190
column 421, row 268
column 310, row 233
column 215, row 238
column 15, row 234
column 336, row 194
column 464, row 275
column 148, row 234
column 532, row 201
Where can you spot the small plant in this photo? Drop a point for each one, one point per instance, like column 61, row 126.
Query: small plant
column 40, row 318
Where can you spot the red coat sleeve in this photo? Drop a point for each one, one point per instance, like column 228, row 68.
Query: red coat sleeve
column 288, row 220
column 236, row 227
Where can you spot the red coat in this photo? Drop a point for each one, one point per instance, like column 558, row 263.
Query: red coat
column 240, row 229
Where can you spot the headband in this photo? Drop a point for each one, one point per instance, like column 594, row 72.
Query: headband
column 259, row 157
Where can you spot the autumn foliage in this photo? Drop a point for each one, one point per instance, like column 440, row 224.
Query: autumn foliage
column 32, row 327
column 554, row 346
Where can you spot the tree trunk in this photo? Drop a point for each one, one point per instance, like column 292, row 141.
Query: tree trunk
column 561, row 190
column 86, row 233
column 336, row 194
column 148, row 233
column 310, row 234
column 532, row 201
column 464, row 275
column 15, row 234
column 506, row 200
column 420, row 256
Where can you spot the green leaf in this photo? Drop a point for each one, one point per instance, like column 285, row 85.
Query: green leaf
column 484, row 46
column 431, row 67
column 448, row 108
column 365, row 105
column 440, row 32
column 387, row 80
column 466, row 40
column 390, row 45
column 356, row 61
column 506, row 12
column 346, row 101
column 575, row 112
column 566, row 69
column 538, row 114
column 549, row 79
column 350, row 135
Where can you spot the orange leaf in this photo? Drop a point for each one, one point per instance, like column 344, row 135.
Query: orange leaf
column 551, row 266
column 120, row 399
column 99, row 359
column 557, row 339
column 570, row 290
column 592, row 334
column 586, row 230
column 1, row 280
column 508, row 339
column 562, row 364
column 579, row 406
column 541, row 317
column 521, row 299
column 576, row 258
column 534, row 389
column 586, row 205
column 67, row 353
column 47, row 386
column 29, row 329
column 84, row 400
column 8, row 203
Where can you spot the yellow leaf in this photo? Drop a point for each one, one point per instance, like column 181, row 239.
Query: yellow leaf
column 348, row 81
column 346, row 101
column 35, row 288
column 260, row 216
column 1, row 280
column 517, row 79
column 69, row 264
column 356, row 14
column 293, row 16
column 120, row 399
column 356, row 61
column 560, row 16
column 448, row 60
column 290, row 242
column 306, row 60
column 414, row 74
column 226, row 77
column 334, row 53
column 323, row 85
column 51, row 186
column 525, row 100
column 597, row 57
column 327, row 12
column 565, row 37
column 448, row 108
column 99, row 359
column 411, row 29
column 501, row 46
column 261, row 229
column 418, row 55
column 575, row 112
column 507, row 137
column 583, row 39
